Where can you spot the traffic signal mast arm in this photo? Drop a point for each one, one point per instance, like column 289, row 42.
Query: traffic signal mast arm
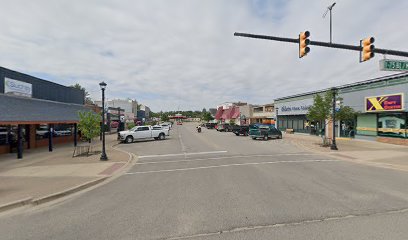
column 323, row 44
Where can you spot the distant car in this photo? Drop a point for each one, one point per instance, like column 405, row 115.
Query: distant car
column 241, row 130
column 210, row 125
column 264, row 131
column 221, row 127
column 179, row 123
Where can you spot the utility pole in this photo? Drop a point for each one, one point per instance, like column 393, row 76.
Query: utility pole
column 329, row 8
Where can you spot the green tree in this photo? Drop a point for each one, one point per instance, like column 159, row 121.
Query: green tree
column 346, row 113
column 321, row 108
column 207, row 117
column 89, row 124
column 165, row 118
column 232, row 121
column 88, row 99
column 204, row 110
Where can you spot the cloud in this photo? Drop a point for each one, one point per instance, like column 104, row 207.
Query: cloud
column 182, row 53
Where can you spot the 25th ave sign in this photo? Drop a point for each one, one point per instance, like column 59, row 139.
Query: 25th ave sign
column 393, row 65
column 384, row 103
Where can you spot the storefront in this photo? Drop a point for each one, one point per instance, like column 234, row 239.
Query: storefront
column 380, row 104
column 36, row 113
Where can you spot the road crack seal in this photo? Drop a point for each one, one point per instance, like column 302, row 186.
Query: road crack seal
column 288, row 224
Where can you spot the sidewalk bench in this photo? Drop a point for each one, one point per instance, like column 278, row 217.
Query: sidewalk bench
column 289, row 130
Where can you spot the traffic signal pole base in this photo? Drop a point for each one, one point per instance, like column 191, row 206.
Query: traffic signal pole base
column 333, row 147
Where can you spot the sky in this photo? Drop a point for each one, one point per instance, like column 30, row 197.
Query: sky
column 182, row 54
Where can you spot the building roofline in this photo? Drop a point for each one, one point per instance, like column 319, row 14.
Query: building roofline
column 37, row 78
column 373, row 80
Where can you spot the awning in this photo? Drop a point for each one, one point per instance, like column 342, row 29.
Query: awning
column 20, row 110
column 235, row 113
column 218, row 114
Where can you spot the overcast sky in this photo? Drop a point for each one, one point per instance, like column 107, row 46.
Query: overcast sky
column 181, row 54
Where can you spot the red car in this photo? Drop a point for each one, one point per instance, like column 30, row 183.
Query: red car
column 179, row 123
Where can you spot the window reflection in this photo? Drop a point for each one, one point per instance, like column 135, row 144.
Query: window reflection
column 392, row 125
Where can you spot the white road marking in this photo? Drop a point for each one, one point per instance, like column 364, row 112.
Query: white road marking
column 180, row 154
column 228, row 157
column 232, row 165
column 183, row 147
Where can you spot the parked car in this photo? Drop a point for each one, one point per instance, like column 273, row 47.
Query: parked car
column 224, row 127
column 264, row 131
column 210, row 125
column 179, row 123
column 241, row 130
column 143, row 132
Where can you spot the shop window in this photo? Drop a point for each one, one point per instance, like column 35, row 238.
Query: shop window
column 4, row 135
column 59, row 130
column 392, row 125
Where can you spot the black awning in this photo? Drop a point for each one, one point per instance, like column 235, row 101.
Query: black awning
column 31, row 110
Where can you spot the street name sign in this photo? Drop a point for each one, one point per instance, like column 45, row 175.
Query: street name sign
column 393, row 65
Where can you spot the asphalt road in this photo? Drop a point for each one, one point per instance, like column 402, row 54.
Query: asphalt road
column 218, row 186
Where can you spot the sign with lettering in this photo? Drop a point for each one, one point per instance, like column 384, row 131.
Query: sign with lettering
column 393, row 65
column 383, row 103
column 19, row 88
column 294, row 107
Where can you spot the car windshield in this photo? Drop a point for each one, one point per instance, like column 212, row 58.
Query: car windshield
column 133, row 129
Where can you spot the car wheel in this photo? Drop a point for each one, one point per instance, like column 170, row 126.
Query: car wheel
column 253, row 138
column 265, row 137
column 279, row 136
column 237, row 134
column 162, row 136
column 129, row 139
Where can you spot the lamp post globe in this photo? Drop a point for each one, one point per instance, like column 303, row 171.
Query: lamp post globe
column 104, row 157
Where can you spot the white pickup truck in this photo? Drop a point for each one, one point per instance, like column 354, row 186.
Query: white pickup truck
column 143, row 132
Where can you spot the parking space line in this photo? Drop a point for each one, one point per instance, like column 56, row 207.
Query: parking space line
column 228, row 157
column 180, row 154
column 233, row 165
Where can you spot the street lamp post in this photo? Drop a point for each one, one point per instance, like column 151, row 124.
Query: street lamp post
column 103, row 155
column 333, row 145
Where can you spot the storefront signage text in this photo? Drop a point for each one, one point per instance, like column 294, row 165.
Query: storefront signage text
column 294, row 108
column 18, row 88
column 384, row 103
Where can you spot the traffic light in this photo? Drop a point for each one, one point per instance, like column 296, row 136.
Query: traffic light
column 303, row 43
column 367, row 51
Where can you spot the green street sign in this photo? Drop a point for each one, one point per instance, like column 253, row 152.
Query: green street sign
column 393, row 65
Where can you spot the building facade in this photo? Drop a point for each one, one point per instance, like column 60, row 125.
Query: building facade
column 128, row 106
column 380, row 104
column 36, row 112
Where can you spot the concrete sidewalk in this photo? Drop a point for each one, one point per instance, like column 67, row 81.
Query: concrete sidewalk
column 359, row 151
column 41, row 173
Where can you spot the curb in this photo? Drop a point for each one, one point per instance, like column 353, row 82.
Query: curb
column 15, row 204
column 64, row 193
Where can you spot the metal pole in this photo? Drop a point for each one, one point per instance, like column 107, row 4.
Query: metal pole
column 324, row 44
column 75, row 134
column 276, row 119
column 103, row 155
column 19, row 142
column 50, row 135
column 333, row 145
column 330, row 26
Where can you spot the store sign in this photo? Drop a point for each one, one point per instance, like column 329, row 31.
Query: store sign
column 384, row 103
column 295, row 107
column 19, row 88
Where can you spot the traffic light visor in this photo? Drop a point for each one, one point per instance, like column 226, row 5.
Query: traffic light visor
column 368, row 41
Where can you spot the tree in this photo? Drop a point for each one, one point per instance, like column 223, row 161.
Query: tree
column 88, row 99
column 89, row 124
column 232, row 121
column 204, row 110
column 207, row 117
column 345, row 113
column 165, row 118
column 321, row 108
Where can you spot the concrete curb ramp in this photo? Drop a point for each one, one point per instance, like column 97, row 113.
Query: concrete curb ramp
column 51, row 197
